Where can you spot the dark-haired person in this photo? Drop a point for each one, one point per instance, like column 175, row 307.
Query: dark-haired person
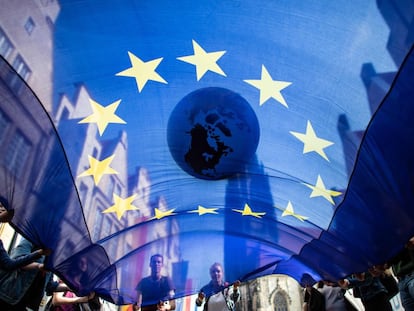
column 13, row 279
column 26, row 287
column 403, row 267
column 369, row 288
column 313, row 298
column 156, row 291
column 7, row 263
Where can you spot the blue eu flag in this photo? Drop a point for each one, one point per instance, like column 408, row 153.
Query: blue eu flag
column 271, row 137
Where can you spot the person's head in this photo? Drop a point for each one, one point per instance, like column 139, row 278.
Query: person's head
column 360, row 276
column 78, row 272
column 216, row 273
column 6, row 214
column 307, row 280
column 156, row 264
column 83, row 264
column 328, row 283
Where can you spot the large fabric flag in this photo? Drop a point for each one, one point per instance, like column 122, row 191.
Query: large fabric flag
column 269, row 136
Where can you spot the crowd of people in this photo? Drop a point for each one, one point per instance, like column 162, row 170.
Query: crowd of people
column 24, row 281
column 218, row 295
column 374, row 287
column 156, row 291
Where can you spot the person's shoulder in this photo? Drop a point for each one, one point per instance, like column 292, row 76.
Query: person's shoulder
column 3, row 251
column 167, row 280
column 207, row 287
column 144, row 280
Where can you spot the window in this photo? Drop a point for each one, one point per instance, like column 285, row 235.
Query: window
column 280, row 302
column 15, row 83
column 4, row 123
column 16, row 153
column 97, row 224
column 105, row 228
column 111, row 187
column 6, row 46
column 29, row 25
column 50, row 23
column 21, row 68
column 118, row 190
column 83, row 192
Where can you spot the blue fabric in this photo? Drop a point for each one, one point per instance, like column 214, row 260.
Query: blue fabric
column 210, row 289
column 269, row 137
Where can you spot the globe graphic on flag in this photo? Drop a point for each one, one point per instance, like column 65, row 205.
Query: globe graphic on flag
column 213, row 133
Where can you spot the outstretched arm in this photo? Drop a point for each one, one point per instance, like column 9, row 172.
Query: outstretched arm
column 235, row 296
column 9, row 264
column 170, row 304
column 200, row 298
column 60, row 299
column 137, row 306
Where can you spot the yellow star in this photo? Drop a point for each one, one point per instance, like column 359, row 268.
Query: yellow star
column 99, row 168
column 160, row 214
column 269, row 88
column 202, row 210
column 121, row 206
column 290, row 212
column 103, row 115
column 311, row 142
column 142, row 71
column 319, row 190
column 203, row 61
column 247, row 211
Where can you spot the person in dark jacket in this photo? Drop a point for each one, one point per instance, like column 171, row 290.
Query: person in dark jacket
column 313, row 298
column 7, row 263
column 156, row 291
column 369, row 288
column 13, row 268
column 32, row 284
column 403, row 267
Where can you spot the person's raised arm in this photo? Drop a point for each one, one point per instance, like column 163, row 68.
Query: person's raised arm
column 235, row 296
column 137, row 306
column 59, row 299
column 172, row 300
column 34, row 266
column 200, row 298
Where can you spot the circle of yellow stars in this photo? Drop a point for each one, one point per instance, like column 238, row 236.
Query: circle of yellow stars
column 204, row 62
